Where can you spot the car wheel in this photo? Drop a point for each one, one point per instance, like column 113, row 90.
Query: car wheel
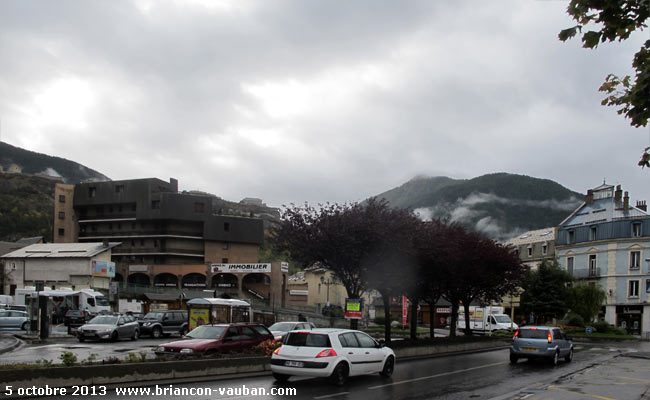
column 555, row 358
column 136, row 335
column 156, row 332
column 340, row 374
column 280, row 377
column 389, row 366
column 25, row 325
column 569, row 356
column 514, row 358
column 114, row 337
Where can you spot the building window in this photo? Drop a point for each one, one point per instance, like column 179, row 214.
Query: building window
column 199, row 207
column 544, row 249
column 636, row 229
column 119, row 208
column 226, row 245
column 593, row 269
column 155, row 243
column 142, row 242
column 132, row 243
column 635, row 259
column 119, row 225
column 110, row 209
column 61, row 215
column 155, row 204
column 569, row 265
column 226, row 226
column 571, row 237
column 92, row 192
column 592, row 233
column 633, row 289
column 133, row 207
column 93, row 228
column 132, row 225
column 61, row 232
column 530, row 251
column 119, row 188
column 61, row 198
column 224, row 261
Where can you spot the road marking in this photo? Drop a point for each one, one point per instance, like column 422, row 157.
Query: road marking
column 633, row 379
column 595, row 396
column 437, row 375
column 331, row 395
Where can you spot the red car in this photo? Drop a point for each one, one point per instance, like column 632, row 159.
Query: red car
column 210, row 339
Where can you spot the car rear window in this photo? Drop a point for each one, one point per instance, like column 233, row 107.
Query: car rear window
column 533, row 333
column 306, row 339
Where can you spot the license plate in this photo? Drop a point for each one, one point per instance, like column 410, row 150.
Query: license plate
column 298, row 364
column 531, row 349
column 88, row 334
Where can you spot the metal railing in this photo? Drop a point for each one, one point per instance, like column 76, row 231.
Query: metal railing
column 586, row 273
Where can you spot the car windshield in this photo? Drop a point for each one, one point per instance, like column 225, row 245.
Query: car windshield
column 154, row 315
column 102, row 301
column 502, row 319
column 103, row 320
column 282, row 326
column 533, row 334
column 303, row 339
column 207, row 332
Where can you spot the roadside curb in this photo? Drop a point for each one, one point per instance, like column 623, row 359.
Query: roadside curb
column 16, row 342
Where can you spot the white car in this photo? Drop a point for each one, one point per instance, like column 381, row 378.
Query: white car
column 333, row 353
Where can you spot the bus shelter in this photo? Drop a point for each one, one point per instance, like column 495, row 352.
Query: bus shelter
column 217, row 311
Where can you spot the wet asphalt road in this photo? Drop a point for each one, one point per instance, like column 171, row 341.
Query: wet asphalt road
column 486, row 375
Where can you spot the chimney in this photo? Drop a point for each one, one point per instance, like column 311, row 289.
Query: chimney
column 626, row 202
column 618, row 194
column 105, row 243
column 642, row 206
column 590, row 197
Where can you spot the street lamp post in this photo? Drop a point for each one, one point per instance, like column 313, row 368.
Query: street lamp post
column 327, row 283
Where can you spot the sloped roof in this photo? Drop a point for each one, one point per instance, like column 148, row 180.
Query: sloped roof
column 61, row 250
column 604, row 208
column 536, row 236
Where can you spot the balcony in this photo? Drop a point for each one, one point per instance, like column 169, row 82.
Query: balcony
column 587, row 273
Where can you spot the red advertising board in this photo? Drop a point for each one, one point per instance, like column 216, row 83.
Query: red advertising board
column 405, row 309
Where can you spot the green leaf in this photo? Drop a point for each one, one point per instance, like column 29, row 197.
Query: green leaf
column 567, row 34
column 591, row 39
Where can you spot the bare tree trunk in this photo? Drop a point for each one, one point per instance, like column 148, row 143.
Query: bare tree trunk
column 432, row 320
column 387, row 318
column 414, row 319
column 454, row 319
column 468, row 329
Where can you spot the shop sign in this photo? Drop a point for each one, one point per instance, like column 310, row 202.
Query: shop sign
column 138, row 268
column 241, row 268
column 299, row 292
column 284, row 266
column 353, row 308
column 443, row 310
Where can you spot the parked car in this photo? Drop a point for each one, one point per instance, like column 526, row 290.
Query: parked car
column 210, row 339
column 74, row 318
column 109, row 327
column 159, row 323
column 14, row 319
column 541, row 342
column 280, row 329
column 333, row 353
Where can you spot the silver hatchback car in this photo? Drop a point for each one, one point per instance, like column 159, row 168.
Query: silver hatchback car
column 546, row 342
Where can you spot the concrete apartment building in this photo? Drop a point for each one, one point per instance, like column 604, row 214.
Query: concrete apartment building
column 606, row 241
column 168, row 239
column 535, row 246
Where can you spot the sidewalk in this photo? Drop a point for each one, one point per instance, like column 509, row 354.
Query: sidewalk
column 626, row 376
column 8, row 343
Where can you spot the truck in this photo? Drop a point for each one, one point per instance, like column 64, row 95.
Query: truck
column 85, row 299
column 485, row 319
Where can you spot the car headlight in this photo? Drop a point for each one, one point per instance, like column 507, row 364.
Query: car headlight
column 186, row 351
column 278, row 338
column 147, row 324
column 159, row 349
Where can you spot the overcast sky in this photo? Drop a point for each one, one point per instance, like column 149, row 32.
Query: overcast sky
column 294, row 101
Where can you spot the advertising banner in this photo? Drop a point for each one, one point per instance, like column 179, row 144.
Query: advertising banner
column 199, row 316
column 405, row 309
column 240, row 268
column 103, row 268
column 353, row 308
